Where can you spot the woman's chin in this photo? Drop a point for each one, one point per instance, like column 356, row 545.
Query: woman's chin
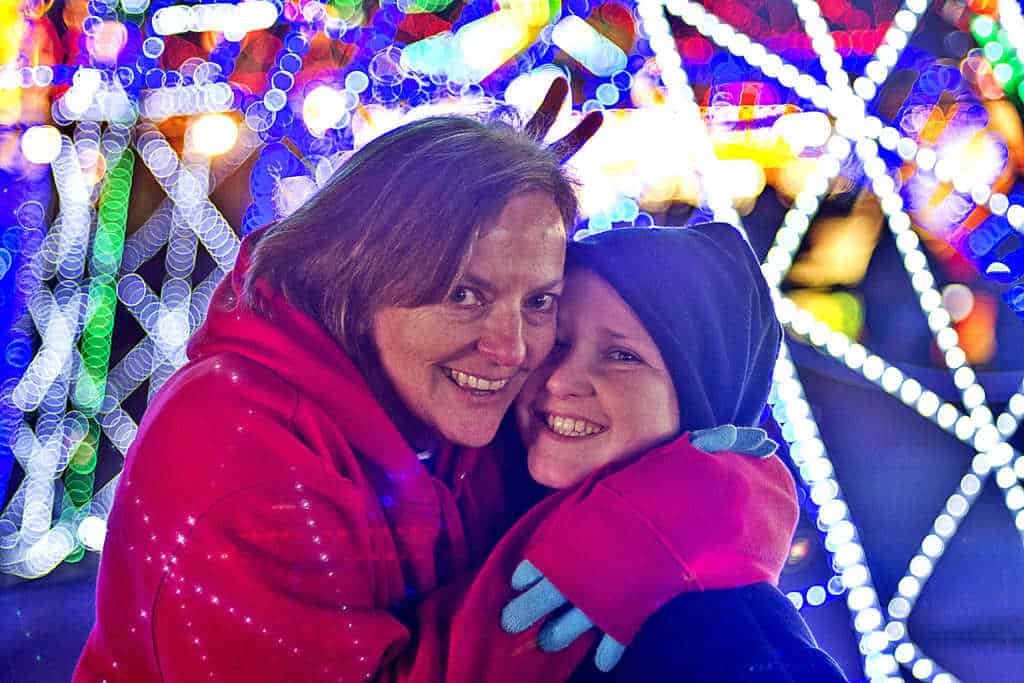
column 475, row 435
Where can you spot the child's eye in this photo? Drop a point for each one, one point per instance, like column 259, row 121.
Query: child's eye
column 464, row 296
column 623, row 356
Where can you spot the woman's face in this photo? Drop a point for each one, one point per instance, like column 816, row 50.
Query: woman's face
column 458, row 364
column 603, row 394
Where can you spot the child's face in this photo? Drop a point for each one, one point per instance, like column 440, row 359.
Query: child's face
column 603, row 394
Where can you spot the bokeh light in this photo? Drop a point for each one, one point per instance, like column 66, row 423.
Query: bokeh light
column 214, row 134
column 41, row 144
column 830, row 113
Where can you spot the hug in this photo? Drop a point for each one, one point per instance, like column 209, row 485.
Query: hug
column 424, row 436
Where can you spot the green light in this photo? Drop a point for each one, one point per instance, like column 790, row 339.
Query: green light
column 108, row 247
column 1003, row 73
column 1004, row 39
column 422, row 6
column 993, row 51
column 348, row 10
column 90, row 386
column 982, row 27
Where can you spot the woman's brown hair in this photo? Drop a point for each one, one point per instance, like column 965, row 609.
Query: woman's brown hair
column 396, row 223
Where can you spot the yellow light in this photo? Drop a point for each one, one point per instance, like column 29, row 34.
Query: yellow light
column 213, row 134
column 741, row 178
column 840, row 247
column 532, row 13
column 487, row 43
column 841, row 311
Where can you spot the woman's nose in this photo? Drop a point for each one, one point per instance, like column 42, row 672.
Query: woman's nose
column 503, row 340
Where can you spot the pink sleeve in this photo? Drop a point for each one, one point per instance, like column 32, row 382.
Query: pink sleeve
column 676, row 520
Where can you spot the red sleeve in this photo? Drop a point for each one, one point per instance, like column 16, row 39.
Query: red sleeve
column 676, row 520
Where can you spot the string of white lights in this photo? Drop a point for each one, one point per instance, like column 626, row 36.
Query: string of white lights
column 680, row 96
column 139, row 363
column 172, row 328
column 948, row 417
column 797, row 220
column 976, row 429
column 899, row 222
column 146, row 242
column 35, row 547
column 939, row 321
column 184, row 189
column 792, row 410
column 787, row 414
column 849, row 110
column 795, row 226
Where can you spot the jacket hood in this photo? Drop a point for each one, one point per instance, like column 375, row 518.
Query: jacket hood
column 287, row 341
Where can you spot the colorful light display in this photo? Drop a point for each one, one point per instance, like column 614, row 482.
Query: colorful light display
column 191, row 92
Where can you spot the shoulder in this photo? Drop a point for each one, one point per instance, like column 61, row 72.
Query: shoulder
column 751, row 634
column 219, row 425
column 227, row 383
column 724, row 486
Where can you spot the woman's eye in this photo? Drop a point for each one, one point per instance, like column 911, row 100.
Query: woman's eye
column 623, row 356
column 464, row 296
column 542, row 302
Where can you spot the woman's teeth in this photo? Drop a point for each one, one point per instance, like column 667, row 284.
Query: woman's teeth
column 476, row 383
column 567, row 426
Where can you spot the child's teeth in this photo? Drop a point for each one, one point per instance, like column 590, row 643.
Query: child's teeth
column 566, row 426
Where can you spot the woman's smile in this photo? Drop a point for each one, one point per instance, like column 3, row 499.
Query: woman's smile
column 475, row 383
column 458, row 363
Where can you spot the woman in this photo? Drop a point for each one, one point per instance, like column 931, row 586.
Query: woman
column 312, row 468
column 672, row 512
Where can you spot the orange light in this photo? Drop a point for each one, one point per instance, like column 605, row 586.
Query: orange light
column 977, row 329
column 108, row 41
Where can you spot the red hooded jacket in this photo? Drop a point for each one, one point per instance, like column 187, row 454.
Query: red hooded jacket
column 270, row 519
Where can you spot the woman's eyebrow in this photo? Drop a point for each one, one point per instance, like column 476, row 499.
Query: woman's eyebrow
column 484, row 283
column 477, row 281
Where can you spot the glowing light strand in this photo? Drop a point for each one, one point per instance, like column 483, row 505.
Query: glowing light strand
column 841, row 537
column 877, row 662
column 793, row 411
column 681, row 98
column 36, row 547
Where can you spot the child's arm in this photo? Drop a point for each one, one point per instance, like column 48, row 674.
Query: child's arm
column 674, row 521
